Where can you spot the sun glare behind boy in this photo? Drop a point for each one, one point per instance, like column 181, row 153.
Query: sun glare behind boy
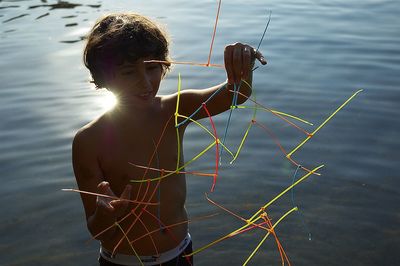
column 107, row 101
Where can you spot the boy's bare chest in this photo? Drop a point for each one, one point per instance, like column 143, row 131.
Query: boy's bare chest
column 127, row 151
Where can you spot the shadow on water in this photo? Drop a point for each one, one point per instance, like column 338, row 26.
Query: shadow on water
column 5, row 7
column 60, row 5
column 63, row 5
column 14, row 18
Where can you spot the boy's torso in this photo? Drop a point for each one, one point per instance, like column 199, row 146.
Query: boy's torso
column 148, row 140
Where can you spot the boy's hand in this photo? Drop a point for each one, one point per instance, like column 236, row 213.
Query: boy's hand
column 110, row 207
column 239, row 59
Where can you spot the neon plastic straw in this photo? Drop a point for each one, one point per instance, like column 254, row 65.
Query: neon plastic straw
column 184, row 63
column 216, row 147
column 200, row 107
column 229, row 117
column 275, row 112
column 265, row 30
column 213, row 35
column 265, row 237
column 134, row 251
column 106, row 196
column 323, row 123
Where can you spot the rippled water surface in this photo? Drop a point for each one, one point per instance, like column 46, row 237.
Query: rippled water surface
column 319, row 53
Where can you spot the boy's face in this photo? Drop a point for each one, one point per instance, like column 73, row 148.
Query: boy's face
column 137, row 82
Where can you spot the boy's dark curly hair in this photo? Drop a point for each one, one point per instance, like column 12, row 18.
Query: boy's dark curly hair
column 123, row 37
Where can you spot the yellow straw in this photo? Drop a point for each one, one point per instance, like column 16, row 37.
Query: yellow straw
column 326, row 121
column 242, row 142
column 252, row 220
column 275, row 112
column 134, row 251
column 176, row 122
column 177, row 170
column 269, row 232
column 286, row 190
column 208, row 131
column 248, row 128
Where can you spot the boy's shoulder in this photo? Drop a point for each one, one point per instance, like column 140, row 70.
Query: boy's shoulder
column 90, row 133
column 94, row 131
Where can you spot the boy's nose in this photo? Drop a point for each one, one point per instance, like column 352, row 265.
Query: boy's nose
column 144, row 83
column 147, row 84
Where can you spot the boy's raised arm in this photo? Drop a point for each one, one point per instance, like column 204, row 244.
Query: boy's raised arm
column 239, row 60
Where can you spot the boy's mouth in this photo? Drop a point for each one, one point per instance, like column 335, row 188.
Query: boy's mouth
column 145, row 95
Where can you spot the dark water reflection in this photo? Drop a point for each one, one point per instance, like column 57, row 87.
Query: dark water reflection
column 319, row 53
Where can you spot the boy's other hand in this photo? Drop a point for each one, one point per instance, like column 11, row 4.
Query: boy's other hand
column 239, row 59
column 112, row 207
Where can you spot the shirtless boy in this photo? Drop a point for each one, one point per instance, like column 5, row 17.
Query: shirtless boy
column 116, row 53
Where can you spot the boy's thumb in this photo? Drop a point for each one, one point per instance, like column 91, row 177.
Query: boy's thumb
column 126, row 194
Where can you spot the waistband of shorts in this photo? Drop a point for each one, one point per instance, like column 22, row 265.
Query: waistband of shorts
column 131, row 260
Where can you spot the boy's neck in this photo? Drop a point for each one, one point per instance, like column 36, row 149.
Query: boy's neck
column 126, row 112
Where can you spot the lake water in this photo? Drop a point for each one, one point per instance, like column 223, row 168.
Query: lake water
column 318, row 52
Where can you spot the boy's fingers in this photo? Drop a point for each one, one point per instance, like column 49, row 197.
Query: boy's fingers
column 116, row 203
column 104, row 202
column 122, row 204
column 239, row 59
column 115, row 207
column 101, row 186
column 104, row 205
column 108, row 190
column 126, row 194
column 260, row 57
column 247, row 59
column 237, row 62
column 228, row 64
column 120, row 207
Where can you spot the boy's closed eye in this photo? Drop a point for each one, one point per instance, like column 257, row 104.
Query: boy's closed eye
column 127, row 72
column 153, row 66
